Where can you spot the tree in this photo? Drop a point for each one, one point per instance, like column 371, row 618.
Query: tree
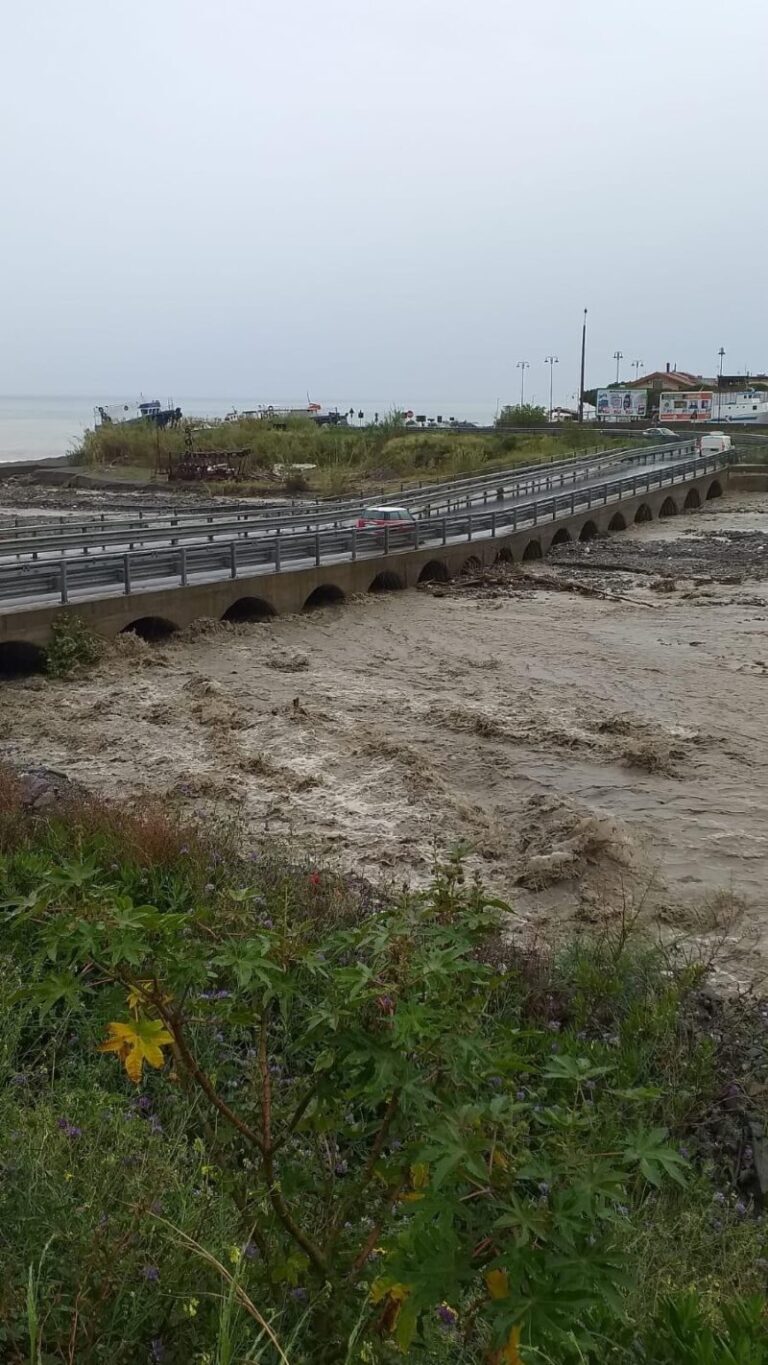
column 522, row 415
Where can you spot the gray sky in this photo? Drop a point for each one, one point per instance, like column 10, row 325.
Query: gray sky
column 377, row 198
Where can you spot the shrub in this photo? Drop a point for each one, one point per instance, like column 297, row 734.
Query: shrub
column 73, row 646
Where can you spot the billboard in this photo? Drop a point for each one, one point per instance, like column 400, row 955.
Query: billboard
column 621, row 405
column 686, row 407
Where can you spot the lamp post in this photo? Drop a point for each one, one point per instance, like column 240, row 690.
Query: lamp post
column 522, row 366
column 637, row 366
column 618, row 357
column 551, row 360
column 721, row 354
column 583, row 363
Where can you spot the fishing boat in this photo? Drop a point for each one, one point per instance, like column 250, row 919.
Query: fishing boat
column 131, row 414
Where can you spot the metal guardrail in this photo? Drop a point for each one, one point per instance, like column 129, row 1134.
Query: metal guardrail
column 109, row 574
column 484, row 488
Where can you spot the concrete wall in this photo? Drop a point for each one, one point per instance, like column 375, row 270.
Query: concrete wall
column 289, row 591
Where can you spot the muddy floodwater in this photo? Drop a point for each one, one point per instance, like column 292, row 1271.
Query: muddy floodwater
column 594, row 753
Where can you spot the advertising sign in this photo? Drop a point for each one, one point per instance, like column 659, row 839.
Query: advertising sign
column 621, row 405
column 686, row 407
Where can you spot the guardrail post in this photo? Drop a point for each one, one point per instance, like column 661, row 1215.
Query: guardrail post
column 183, row 566
column 469, row 526
column 354, row 542
column 493, row 524
column 317, row 549
column 416, row 535
column 445, row 531
column 127, row 574
column 514, row 518
column 63, row 580
column 535, row 507
column 386, row 539
column 233, row 559
column 573, row 504
column 277, row 553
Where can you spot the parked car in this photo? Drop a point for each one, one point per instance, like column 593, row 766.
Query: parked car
column 396, row 518
column 661, row 434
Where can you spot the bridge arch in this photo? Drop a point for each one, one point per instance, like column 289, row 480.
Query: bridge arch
column 325, row 595
column 693, row 499
column 18, row 658
column 561, row 537
column 151, row 628
column 249, row 609
column 715, row 490
column 668, row 508
column 434, row 572
column 532, row 551
column 617, row 522
column 471, row 565
column 588, row 531
column 387, row 582
column 643, row 513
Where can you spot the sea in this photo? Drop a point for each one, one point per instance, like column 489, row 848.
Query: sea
column 39, row 428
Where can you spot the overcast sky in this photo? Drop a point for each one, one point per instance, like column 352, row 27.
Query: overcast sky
column 390, row 199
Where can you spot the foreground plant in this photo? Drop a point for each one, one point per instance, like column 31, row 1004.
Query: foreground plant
column 364, row 1125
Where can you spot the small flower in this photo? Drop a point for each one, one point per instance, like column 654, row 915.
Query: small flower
column 520, row 1095
column 299, row 1294
column 554, row 1026
column 234, row 1254
column 543, row 1188
column 69, row 1130
column 623, row 1210
column 183, row 850
column 155, row 1125
column 740, row 1208
column 718, row 1197
column 209, row 888
column 151, row 1274
column 251, row 1251
column 448, row 1316
column 341, row 1167
column 157, row 1350
column 20, row 1079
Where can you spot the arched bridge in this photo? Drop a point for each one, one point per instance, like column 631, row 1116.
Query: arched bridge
column 184, row 570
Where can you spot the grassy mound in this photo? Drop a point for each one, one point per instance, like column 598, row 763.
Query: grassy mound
column 253, row 1112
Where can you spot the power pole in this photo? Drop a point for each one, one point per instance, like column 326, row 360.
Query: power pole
column 551, row 360
column 618, row 357
column 522, row 366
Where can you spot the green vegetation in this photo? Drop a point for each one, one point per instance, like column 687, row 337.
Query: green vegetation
column 252, row 1112
column 522, row 415
column 344, row 459
column 73, row 645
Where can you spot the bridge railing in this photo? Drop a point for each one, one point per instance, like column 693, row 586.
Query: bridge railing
column 109, row 573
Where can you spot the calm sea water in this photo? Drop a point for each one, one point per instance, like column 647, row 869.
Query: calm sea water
column 38, row 428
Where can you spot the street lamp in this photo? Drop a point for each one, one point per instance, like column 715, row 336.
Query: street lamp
column 618, row 357
column 551, row 360
column 522, row 366
column 637, row 366
column 721, row 354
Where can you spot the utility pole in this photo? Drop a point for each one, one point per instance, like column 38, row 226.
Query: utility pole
column 618, row 357
column 551, row 360
column 583, row 362
column 522, row 366
column 637, row 366
column 721, row 354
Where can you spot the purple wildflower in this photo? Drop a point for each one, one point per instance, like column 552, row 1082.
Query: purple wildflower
column 520, row 1095
column 718, row 1197
column 151, row 1274
column 299, row 1294
column 543, row 1188
column 251, row 1251
column 69, row 1130
column 144, row 1103
column 341, row 1167
column 20, row 1079
column 741, row 1208
column 447, row 1315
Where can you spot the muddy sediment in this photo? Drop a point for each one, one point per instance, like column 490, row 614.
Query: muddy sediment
column 596, row 750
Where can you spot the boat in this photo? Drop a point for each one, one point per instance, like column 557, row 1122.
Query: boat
column 132, row 414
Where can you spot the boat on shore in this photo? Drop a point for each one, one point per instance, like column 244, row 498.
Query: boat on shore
column 132, row 414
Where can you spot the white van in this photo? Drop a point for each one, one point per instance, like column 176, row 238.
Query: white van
column 715, row 443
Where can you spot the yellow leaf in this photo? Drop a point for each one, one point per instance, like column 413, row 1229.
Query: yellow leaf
column 498, row 1283
column 138, row 1042
column 510, row 1351
column 420, row 1175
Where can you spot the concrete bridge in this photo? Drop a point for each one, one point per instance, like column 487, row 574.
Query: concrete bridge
column 453, row 545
